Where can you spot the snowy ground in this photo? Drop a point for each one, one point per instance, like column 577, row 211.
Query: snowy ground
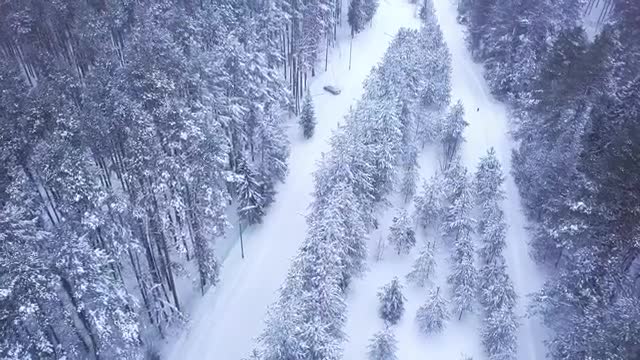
column 226, row 321
column 488, row 127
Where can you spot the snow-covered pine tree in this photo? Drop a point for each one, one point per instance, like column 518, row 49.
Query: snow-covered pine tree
column 356, row 16
column 431, row 316
column 249, row 191
column 495, row 286
column 489, row 179
column 307, row 320
column 401, row 234
column 383, row 345
column 493, row 230
column 391, row 302
column 308, row 116
column 410, row 167
column 339, row 221
column 429, row 205
column 453, row 131
column 458, row 221
column 408, row 188
column 499, row 334
column 369, row 8
column 423, row 267
column 463, row 277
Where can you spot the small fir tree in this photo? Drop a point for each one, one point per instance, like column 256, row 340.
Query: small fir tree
column 452, row 131
column 308, row 117
column 489, row 179
column 463, row 277
column 495, row 286
column 402, row 236
column 423, row 267
column 391, row 302
column 499, row 334
column 356, row 16
column 493, row 231
column 431, row 316
column 251, row 202
column 369, row 8
column 383, row 346
column 429, row 204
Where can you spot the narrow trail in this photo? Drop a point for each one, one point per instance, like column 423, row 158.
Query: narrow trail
column 226, row 321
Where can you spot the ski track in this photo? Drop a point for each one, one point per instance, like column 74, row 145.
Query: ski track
column 227, row 319
column 488, row 127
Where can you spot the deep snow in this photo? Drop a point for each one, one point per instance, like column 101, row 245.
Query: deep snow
column 488, row 127
column 226, row 321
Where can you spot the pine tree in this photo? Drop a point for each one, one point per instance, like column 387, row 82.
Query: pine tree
column 489, row 179
column 458, row 221
column 401, row 234
column 391, row 302
column 453, row 130
column 383, row 346
column 431, row 316
column 492, row 234
column 369, row 8
column 495, row 287
column 429, row 205
column 356, row 16
column 423, row 267
column 250, row 206
column 410, row 165
column 307, row 116
column 499, row 334
column 463, row 278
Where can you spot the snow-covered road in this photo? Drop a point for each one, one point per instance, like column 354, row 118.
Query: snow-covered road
column 226, row 321
column 488, row 126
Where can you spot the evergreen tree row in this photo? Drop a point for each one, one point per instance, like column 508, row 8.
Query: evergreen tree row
column 575, row 103
column 496, row 293
column 306, row 321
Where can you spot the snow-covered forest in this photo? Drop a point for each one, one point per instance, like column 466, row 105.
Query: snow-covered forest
column 320, row 179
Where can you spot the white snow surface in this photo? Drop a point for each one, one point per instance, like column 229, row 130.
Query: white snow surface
column 227, row 319
column 488, row 127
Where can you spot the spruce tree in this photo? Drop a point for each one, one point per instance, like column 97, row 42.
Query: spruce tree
column 391, row 302
column 499, row 334
column 307, row 116
column 429, row 205
column 356, row 16
column 463, row 277
column 493, row 232
column 383, row 346
column 495, row 287
column 369, row 8
column 250, row 200
column 452, row 134
column 401, row 234
column 431, row 316
column 423, row 267
column 489, row 179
